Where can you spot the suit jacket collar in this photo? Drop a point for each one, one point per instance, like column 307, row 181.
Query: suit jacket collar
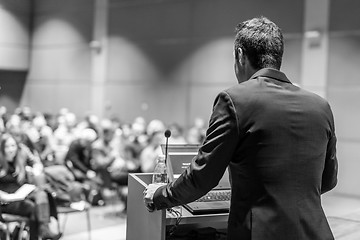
column 271, row 73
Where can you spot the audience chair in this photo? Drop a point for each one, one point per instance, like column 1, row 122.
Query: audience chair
column 7, row 219
column 77, row 207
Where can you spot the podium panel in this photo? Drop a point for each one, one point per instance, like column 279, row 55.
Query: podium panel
column 145, row 225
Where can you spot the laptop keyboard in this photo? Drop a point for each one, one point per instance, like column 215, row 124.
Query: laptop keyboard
column 215, row 196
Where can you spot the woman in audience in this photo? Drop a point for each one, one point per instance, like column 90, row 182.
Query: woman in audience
column 12, row 177
column 149, row 154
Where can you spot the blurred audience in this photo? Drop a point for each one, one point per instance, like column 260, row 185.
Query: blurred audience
column 177, row 134
column 196, row 134
column 79, row 159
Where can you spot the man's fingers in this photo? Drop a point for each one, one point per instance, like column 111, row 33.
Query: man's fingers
column 150, row 207
column 149, row 195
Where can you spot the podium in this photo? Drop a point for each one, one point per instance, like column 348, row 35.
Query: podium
column 145, row 225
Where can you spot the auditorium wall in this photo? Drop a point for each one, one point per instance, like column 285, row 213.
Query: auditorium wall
column 174, row 56
column 166, row 59
column 60, row 63
column 15, row 22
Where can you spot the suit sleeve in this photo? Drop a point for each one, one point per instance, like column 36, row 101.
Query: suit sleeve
column 329, row 177
column 211, row 162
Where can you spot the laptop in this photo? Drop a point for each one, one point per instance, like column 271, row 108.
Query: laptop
column 180, row 148
column 216, row 200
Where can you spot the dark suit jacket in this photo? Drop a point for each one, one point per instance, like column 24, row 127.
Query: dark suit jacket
column 279, row 143
column 79, row 155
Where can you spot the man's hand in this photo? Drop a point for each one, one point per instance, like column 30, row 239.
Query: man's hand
column 149, row 195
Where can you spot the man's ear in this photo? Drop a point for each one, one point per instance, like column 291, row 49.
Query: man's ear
column 240, row 56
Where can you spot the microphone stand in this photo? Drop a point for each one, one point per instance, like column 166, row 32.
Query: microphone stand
column 166, row 149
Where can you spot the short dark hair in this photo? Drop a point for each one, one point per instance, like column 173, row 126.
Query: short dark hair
column 261, row 41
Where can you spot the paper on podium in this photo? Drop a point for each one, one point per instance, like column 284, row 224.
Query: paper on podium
column 20, row 194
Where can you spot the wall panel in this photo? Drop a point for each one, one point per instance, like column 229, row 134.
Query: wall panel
column 188, row 42
column 345, row 103
column 150, row 20
column 159, row 50
column 291, row 64
column 220, row 18
column 202, row 98
column 344, row 60
column 169, row 105
column 40, row 97
column 213, row 61
column 51, row 97
column 344, row 15
column 11, row 88
column 60, row 64
column 15, row 37
column 61, row 56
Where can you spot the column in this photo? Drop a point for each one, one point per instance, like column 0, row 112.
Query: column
column 99, row 57
column 315, row 46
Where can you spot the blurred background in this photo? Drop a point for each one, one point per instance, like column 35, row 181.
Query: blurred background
column 167, row 59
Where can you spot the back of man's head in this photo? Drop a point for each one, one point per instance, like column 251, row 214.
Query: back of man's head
column 261, row 41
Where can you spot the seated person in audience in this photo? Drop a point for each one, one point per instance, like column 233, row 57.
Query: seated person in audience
column 133, row 141
column 108, row 156
column 12, row 177
column 79, row 161
column 45, row 142
column 149, row 154
column 177, row 134
column 78, row 157
column 65, row 131
column 4, row 116
column 2, row 125
column 196, row 134
column 34, row 166
column 131, row 154
column 106, row 152
column 138, row 131
column 91, row 121
column 63, row 186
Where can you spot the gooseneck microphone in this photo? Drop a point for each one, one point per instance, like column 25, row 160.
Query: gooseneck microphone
column 167, row 135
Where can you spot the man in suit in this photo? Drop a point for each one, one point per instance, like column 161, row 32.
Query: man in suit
column 278, row 141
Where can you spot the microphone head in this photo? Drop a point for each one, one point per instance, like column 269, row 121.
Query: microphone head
column 167, row 133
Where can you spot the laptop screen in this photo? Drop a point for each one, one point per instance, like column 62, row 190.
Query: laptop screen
column 180, row 148
column 178, row 162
